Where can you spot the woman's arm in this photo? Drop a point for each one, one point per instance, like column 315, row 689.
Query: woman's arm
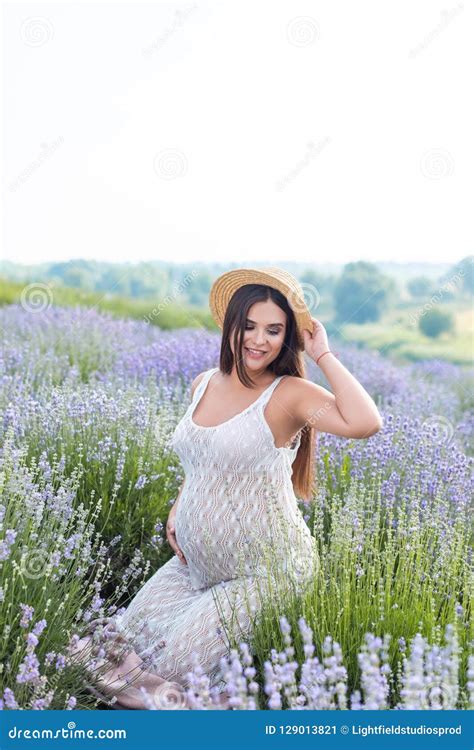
column 171, row 530
column 348, row 411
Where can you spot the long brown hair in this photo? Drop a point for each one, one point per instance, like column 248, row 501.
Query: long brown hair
column 290, row 361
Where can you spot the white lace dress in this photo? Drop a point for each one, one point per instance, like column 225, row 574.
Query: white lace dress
column 239, row 527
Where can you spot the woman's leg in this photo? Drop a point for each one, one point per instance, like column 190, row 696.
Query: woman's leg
column 126, row 643
column 202, row 630
column 165, row 627
column 127, row 682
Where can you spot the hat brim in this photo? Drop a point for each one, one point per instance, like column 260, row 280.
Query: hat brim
column 227, row 284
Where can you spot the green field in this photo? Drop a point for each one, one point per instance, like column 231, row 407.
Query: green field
column 393, row 334
column 172, row 315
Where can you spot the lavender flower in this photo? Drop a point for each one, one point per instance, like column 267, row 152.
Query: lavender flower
column 29, row 669
column 27, row 615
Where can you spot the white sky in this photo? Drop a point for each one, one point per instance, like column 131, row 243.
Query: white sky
column 237, row 90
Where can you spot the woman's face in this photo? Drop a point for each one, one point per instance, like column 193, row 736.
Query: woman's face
column 264, row 334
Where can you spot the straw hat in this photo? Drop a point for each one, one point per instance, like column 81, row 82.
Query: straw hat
column 225, row 285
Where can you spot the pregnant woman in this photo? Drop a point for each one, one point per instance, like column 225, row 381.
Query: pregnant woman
column 246, row 443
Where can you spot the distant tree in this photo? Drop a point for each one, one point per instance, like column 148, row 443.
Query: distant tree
column 203, row 282
column 199, row 288
column 459, row 279
column 197, row 297
column 313, row 277
column 317, row 289
column 464, row 271
column 78, row 278
column 362, row 293
column 146, row 280
column 78, row 273
column 435, row 322
column 114, row 279
column 420, row 286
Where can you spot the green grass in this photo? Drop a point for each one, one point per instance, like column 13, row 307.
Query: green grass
column 369, row 578
column 394, row 336
column 171, row 315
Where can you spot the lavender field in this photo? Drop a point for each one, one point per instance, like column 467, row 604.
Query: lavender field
column 88, row 404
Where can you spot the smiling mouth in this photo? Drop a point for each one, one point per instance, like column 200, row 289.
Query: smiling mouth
column 254, row 351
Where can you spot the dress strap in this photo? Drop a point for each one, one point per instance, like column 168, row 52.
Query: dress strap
column 203, row 383
column 263, row 401
column 265, row 397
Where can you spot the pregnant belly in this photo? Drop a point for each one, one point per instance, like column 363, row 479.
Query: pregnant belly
column 219, row 547
column 216, row 548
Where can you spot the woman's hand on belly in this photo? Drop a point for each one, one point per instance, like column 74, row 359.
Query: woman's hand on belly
column 171, row 535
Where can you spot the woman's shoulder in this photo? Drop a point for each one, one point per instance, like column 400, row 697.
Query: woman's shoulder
column 301, row 396
column 197, row 380
column 293, row 382
column 293, row 387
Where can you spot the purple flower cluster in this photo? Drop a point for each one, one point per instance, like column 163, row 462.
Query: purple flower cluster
column 7, row 543
column 429, row 677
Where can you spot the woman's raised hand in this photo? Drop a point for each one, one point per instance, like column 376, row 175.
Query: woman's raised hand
column 316, row 342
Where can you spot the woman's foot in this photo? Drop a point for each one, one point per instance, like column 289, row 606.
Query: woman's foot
column 128, row 683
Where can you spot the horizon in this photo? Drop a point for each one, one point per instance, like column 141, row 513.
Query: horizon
column 292, row 262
